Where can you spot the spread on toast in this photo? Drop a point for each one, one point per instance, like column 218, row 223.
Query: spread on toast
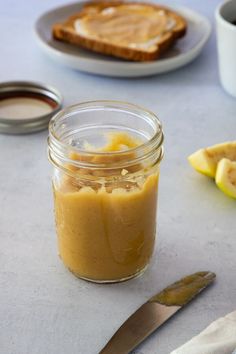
column 129, row 30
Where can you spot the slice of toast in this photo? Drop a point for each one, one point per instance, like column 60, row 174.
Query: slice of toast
column 129, row 30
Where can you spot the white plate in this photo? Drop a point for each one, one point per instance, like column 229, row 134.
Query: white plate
column 185, row 50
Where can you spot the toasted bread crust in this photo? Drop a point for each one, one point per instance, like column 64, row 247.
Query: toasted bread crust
column 65, row 32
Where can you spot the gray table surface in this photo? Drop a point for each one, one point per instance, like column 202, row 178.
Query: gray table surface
column 43, row 308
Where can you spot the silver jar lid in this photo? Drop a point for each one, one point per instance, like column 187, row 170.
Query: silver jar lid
column 26, row 106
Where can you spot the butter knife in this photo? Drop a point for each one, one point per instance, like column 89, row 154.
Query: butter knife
column 156, row 311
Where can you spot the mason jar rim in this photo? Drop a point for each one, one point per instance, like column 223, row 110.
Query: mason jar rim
column 155, row 142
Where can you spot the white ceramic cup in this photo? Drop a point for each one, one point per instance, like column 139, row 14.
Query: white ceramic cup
column 226, row 43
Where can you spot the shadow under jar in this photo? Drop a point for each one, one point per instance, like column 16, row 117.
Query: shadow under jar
column 106, row 157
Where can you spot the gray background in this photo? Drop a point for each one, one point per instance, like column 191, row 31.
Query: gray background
column 43, row 308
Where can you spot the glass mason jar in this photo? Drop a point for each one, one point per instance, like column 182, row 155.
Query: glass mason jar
column 106, row 157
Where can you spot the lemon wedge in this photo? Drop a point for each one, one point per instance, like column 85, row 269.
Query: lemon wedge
column 205, row 160
column 226, row 177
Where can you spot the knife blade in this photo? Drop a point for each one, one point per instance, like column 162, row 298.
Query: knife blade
column 157, row 310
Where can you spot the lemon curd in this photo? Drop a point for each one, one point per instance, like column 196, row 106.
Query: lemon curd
column 106, row 232
column 105, row 199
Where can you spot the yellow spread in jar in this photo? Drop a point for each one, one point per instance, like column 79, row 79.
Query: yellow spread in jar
column 106, row 228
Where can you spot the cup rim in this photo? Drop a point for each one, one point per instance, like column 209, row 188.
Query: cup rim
column 104, row 104
column 59, row 149
column 220, row 18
